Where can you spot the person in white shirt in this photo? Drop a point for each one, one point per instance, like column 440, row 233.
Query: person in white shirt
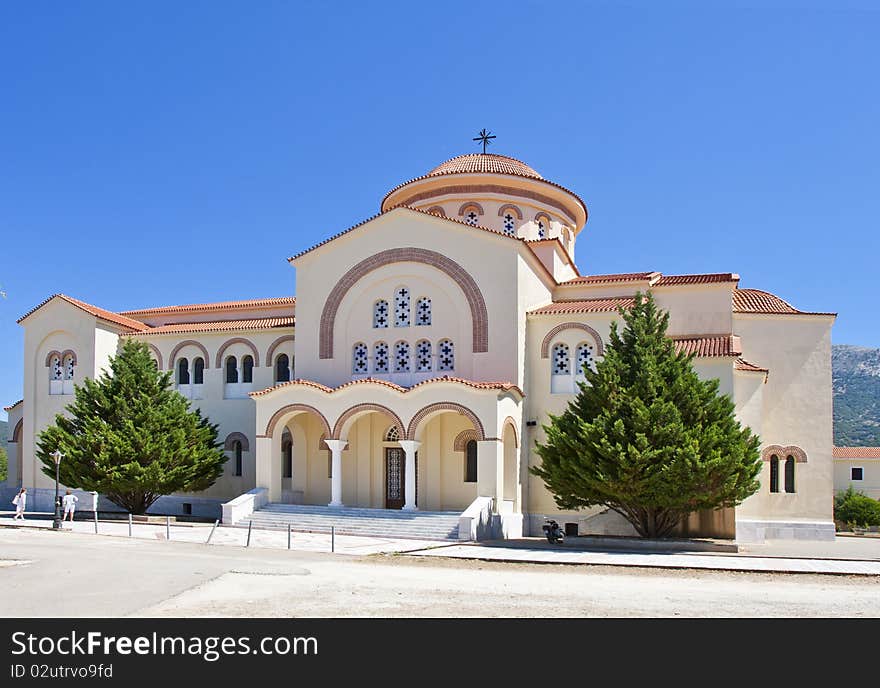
column 69, row 503
column 20, row 502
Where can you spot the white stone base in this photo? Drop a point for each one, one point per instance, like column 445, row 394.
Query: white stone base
column 757, row 531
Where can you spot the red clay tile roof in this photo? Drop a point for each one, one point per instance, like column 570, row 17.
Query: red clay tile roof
column 99, row 313
column 12, row 406
column 709, row 346
column 405, row 207
column 585, row 306
column 758, row 301
column 743, row 364
column 218, row 306
column 708, row 278
column 219, row 326
column 856, row 452
column 619, row 277
column 489, row 163
column 506, row 386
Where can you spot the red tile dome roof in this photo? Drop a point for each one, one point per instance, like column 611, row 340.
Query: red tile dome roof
column 484, row 162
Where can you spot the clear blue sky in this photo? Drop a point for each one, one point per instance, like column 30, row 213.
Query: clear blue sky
column 156, row 153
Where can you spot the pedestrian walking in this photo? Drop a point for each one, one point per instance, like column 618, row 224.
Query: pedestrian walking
column 69, row 503
column 20, row 501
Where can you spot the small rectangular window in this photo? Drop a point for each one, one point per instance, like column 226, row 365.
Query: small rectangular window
column 187, row 509
column 857, row 474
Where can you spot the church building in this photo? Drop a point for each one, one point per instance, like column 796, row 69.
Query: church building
column 422, row 353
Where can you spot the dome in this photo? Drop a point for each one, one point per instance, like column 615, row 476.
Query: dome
column 488, row 163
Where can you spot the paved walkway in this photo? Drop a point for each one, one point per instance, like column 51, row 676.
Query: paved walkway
column 225, row 535
column 850, row 556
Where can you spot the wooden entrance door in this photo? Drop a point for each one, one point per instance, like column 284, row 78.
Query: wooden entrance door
column 395, row 465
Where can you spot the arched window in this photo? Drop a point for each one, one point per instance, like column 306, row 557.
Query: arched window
column 236, row 448
column 423, row 356
column 199, row 371
column 470, row 461
column 55, row 369
column 69, row 363
column 445, row 355
column 401, row 357
column 231, row 370
column 401, row 307
column 183, row 371
column 509, row 224
column 282, row 368
column 423, row 311
column 561, row 359
column 247, row 369
column 380, row 313
column 774, row 473
column 359, row 359
column 287, row 454
column 380, row 357
column 789, row 474
column 393, row 434
column 585, row 356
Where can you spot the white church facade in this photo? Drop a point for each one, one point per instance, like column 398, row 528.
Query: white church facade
column 422, row 354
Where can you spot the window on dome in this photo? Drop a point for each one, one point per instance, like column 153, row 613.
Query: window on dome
column 380, row 357
column 446, row 355
column 542, row 230
column 423, row 311
column 231, row 370
column 199, row 371
column 359, row 359
column 509, row 226
column 423, row 356
column 471, row 218
column 401, row 357
column 183, row 372
column 380, row 313
column 247, row 369
column 401, row 307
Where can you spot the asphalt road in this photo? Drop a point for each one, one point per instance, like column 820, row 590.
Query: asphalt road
column 44, row 573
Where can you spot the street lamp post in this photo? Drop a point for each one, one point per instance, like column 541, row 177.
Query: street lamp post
column 56, row 523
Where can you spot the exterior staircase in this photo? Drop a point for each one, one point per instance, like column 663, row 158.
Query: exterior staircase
column 390, row 523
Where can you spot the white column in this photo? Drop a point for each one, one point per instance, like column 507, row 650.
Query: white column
column 336, row 447
column 268, row 473
column 410, row 447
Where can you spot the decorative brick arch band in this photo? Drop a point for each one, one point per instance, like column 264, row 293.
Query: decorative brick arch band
column 512, row 423
column 274, row 345
column 479, row 312
column 800, row 456
column 545, row 344
column 543, row 216
column 234, row 437
column 156, row 353
column 364, row 408
column 445, row 406
column 471, row 204
column 237, row 340
column 462, row 438
column 293, row 408
column 437, row 210
column 16, row 433
column 50, row 355
column 69, row 352
column 188, row 342
column 509, row 206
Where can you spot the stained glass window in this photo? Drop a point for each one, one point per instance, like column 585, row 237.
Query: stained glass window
column 380, row 357
column 401, row 357
column 380, row 313
column 423, row 356
column 401, row 307
column 359, row 359
column 445, row 355
column 423, row 311
column 561, row 359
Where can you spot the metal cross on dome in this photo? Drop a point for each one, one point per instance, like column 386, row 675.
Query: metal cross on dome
column 484, row 138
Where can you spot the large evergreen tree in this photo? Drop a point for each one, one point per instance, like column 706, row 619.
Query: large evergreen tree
column 646, row 436
column 131, row 437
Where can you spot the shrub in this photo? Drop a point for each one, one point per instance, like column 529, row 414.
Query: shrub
column 855, row 508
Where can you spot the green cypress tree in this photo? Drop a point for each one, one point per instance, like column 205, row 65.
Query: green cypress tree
column 646, row 436
column 132, row 437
